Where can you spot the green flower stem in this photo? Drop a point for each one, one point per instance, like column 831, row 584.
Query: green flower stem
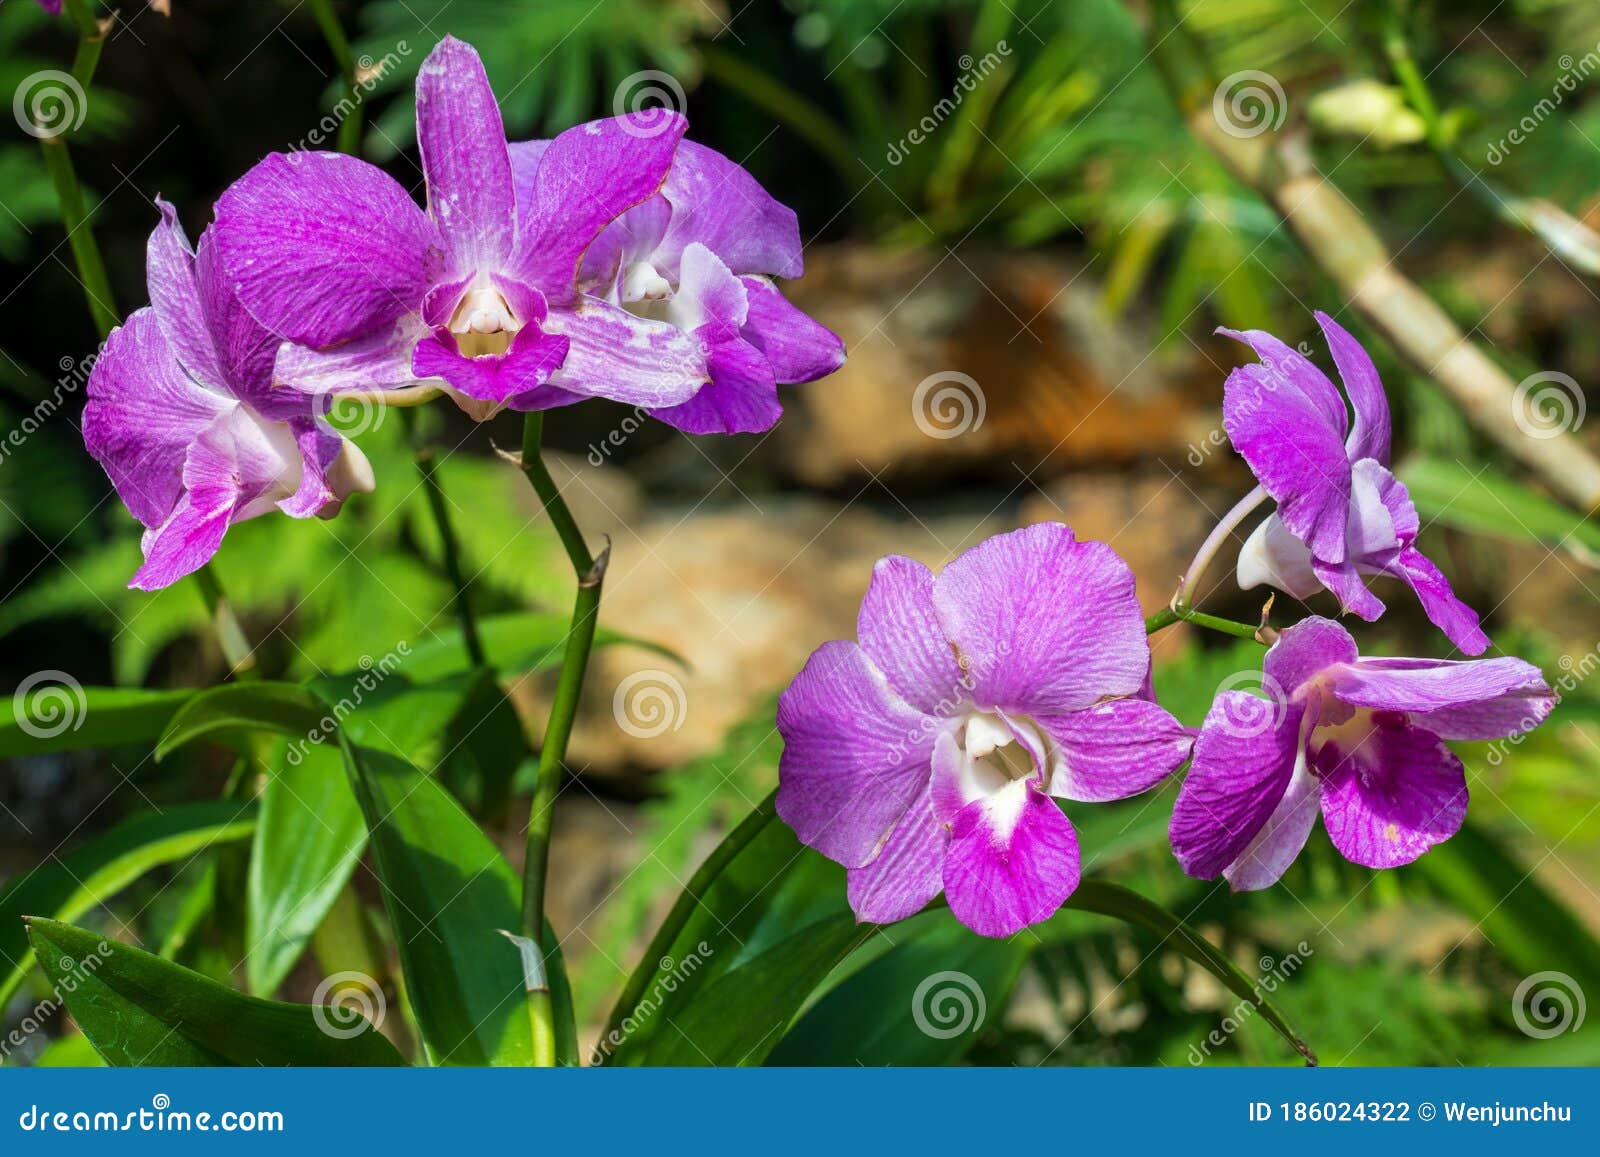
column 563, row 712
column 235, row 645
column 349, row 139
column 80, row 237
column 1171, row 615
column 439, row 505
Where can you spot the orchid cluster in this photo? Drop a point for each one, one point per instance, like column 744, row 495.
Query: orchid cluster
column 617, row 261
column 928, row 755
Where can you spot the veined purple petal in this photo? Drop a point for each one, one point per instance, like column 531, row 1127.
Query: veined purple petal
column 798, row 348
column 1390, row 791
column 583, row 180
column 907, row 873
column 1306, row 650
column 496, row 378
column 245, row 348
column 323, row 248
column 1369, row 435
column 1454, row 699
column 464, row 159
column 715, row 202
column 628, row 359
column 1458, row 621
column 1345, row 581
column 900, row 632
column 176, row 299
column 855, row 755
column 741, row 398
column 1243, row 762
column 632, row 237
column 1013, row 861
column 1287, row 421
column 1045, row 624
column 379, row 361
column 1268, row 856
column 1115, row 749
column 143, row 413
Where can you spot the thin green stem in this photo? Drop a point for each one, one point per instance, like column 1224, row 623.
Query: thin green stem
column 450, row 546
column 350, row 127
column 235, row 645
column 1171, row 615
column 563, row 713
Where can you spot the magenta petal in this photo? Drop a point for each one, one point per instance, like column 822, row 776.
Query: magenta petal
column 1458, row 621
column 1013, row 861
column 741, row 398
column 855, row 755
column 900, row 632
column 628, row 359
column 1369, row 434
column 1391, row 795
column 1287, row 421
column 1115, row 749
column 716, row 203
column 379, row 361
column 583, row 180
column 323, row 247
column 1243, row 761
column 1305, row 651
column 1045, row 624
column 1345, row 581
column 191, row 537
column 528, row 364
column 245, row 349
column 319, row 447
column 176, row 298
column 907, row 873
column 1268, row 856
column 1454, row 699
column 464, row 159
column 143, row 414
column 798, row 348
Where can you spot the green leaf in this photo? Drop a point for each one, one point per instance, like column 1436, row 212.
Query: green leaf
column 923, row 1002
column 1128, row 906
column 760, row 925
column 95, row 872
column 137, row 1009
column 59, row 715
column 449, row 894
column 312, row 832
column 233, row 710
column 1483, row 500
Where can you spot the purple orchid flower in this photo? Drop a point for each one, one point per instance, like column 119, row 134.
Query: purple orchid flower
column 700, row 255
column 1341, row 513
column 1360, row 740
column 479, row 292
column 924, row 756
column 183, row 416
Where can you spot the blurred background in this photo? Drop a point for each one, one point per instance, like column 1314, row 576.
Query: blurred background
column 1019, row 217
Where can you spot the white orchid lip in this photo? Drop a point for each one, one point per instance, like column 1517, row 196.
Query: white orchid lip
column 999, row 751
column 483, row 323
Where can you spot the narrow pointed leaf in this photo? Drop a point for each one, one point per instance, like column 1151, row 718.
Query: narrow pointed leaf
column 96, row 871
column 233, row 710
column 62, row 716
column 139, row 1010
